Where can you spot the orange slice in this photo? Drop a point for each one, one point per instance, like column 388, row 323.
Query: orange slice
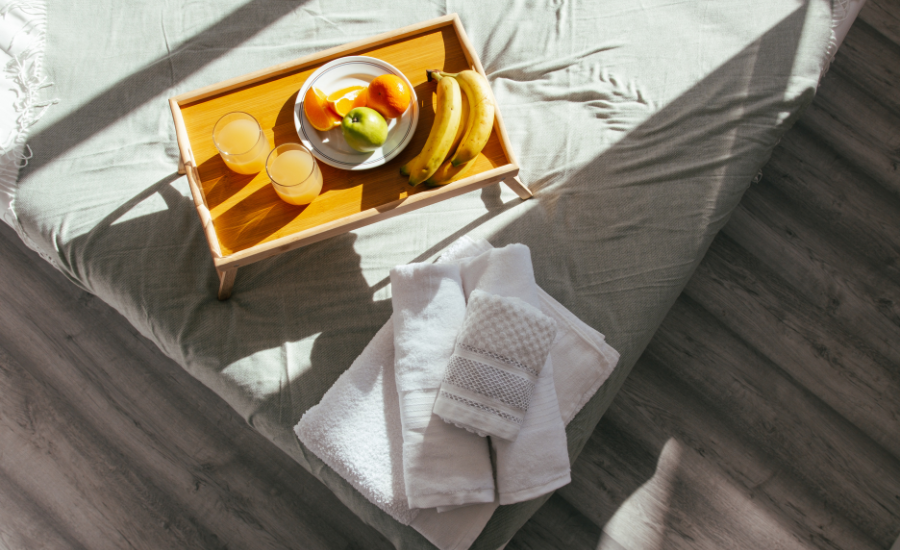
column 343, row 100
column 315, row 107
column 360, row 100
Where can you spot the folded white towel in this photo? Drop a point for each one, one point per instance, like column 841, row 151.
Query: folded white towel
column 356, row 430
column 500, row 352
column 537, row 462
column 442, row 464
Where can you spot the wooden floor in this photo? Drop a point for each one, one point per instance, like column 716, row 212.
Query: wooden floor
column 764, row 414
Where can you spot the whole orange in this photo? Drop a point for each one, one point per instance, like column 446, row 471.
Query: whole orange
column 389, row 95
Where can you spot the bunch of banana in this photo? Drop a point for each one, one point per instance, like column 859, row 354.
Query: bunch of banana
column 437, row 165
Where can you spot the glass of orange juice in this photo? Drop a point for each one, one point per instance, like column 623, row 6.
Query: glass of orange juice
column 294, row 173
column 241, row 142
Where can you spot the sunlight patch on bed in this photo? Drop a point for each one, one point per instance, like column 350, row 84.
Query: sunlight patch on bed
column 264, row 379
column 151, row 205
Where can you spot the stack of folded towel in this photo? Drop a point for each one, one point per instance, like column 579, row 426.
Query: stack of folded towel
column 474, row 348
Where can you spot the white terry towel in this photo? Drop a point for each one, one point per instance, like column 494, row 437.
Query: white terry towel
column 442, row 464
column 356, row 431
column 537, row 462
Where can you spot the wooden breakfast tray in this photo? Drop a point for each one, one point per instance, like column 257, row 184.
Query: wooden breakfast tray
column 243, row 218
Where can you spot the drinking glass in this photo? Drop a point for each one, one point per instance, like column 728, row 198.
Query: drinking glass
column 294, row 173
column 241, row 142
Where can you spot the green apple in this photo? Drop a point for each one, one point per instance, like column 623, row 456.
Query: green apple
column 364, row 129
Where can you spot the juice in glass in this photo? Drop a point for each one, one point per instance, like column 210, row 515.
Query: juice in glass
column 294, row 173
column 241, row 142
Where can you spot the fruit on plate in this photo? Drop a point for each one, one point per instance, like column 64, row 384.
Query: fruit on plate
column 389, row 95
column 360, row 100
column 343, row 100
column 447, row 118
column 315, row 107
column 481, row 114
column 364, row 129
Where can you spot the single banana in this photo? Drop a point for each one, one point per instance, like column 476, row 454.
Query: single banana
column 464, row 115
column 481, row 115
column 448, row 173
column 463, row 119
column 447, row 119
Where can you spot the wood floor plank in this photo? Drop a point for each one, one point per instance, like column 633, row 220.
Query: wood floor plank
column 862, row 132
column 847, row 205
column 803, row 438
column 616, row 461
column 557, row 525
column 69, row 470
column 802, row 339
column 189, row 472
column 708, row 487
column 872, row 61
column 832, row 277
column 884, row 17
column 25, row 523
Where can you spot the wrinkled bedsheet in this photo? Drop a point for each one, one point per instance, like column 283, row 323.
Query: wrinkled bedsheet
column 637, row 125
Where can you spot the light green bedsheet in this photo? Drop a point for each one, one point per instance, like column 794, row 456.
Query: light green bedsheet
column 638, row 125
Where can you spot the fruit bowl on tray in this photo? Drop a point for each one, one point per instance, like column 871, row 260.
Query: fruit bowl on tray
column 330, row 146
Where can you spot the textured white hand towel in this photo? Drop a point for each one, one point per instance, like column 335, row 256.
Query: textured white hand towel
column 500, row 351
column 355, row 429
column 537, row 462
column 442, row 464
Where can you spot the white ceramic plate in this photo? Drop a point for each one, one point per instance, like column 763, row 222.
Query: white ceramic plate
column 329, row 146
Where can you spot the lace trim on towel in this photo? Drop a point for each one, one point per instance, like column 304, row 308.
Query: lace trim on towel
column 481, row 406
column 498, row 357
column 506, row 388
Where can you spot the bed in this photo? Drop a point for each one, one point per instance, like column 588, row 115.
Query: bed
column 638, row 128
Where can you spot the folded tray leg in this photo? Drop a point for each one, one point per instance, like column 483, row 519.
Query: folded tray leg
column 518, row 187
column 226, row 281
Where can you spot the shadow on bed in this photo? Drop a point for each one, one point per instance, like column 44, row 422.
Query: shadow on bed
column 614, row 242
